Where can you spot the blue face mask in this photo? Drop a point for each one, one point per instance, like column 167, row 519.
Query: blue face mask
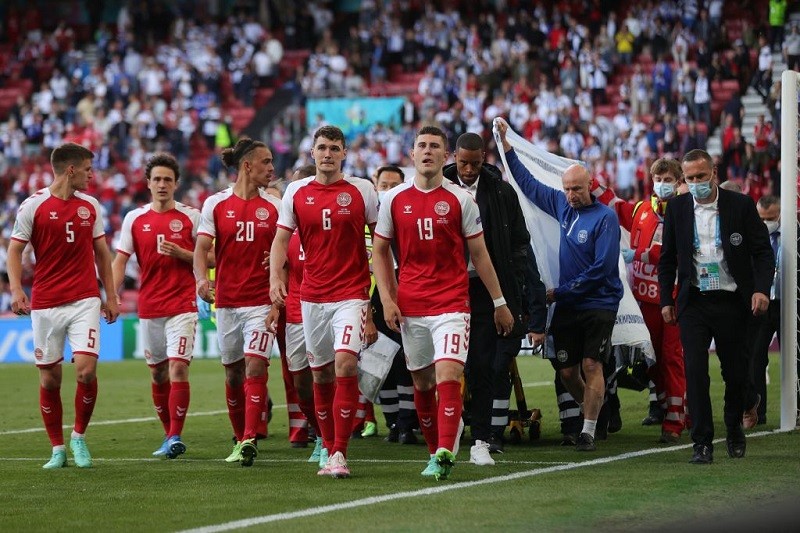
column 664, row 190
column 701, row 190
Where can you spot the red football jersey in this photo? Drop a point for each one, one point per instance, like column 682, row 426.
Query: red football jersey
column 295, row 260
column 166, row 284
column 430, row 229
column 62, row 233
column 331, row 220
column 243, row 230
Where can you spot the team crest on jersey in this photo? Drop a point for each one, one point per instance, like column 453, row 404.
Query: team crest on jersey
column 84, row 213
column 344, row 199
column 582, row 236
column 262, row 213
column 146, row 227
column 406, row 209
column 441, row 208
column 53, row 215
column 230, row 214
column 175, row 225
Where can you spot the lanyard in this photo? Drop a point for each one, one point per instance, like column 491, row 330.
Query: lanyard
column 717, row 239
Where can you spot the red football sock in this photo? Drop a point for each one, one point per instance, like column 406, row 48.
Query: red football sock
column 323, row 403
column 50, row 406
column 235, row 399
column 178, row 406
column 85, row 398
column 345, row 403
column 425, row 402
column 450, row 407
column 161, row 403
column 255, row 391
column 307, row 407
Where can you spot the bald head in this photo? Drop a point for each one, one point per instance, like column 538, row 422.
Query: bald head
column 577, row 182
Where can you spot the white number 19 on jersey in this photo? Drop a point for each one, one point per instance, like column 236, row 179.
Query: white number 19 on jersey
column 425, row 228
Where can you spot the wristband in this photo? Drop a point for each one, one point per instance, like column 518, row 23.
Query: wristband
column 498, row 302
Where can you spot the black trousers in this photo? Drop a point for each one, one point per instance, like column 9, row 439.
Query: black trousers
column 479, row 369
column 507, row 349
column 721, row 316
column 763, row 328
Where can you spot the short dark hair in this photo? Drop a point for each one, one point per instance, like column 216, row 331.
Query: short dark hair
column 69, row 154
column 431, row 130
column 470, row 141
column 697, row 155
column 330, row 132
column 162, row 159
column 666, row 165
column 234, row 155
column 305, row 171
column 389, row 168
column 767, row 201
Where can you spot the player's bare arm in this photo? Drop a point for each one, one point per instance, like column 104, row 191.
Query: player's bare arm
column 201, row 250
column 118, row 271
column 20, row 304
column 174, row 250
column 385, row 282
column 102, row 258
column 271, row 321
column 277, row 272
column 503, row 319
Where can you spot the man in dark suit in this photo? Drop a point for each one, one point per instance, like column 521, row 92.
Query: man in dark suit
column 717, row 233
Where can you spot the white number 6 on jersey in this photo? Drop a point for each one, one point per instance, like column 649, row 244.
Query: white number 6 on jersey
column 326, row 219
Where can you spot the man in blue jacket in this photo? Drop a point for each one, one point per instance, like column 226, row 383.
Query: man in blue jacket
column 589, row 288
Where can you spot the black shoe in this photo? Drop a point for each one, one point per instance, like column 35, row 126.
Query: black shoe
column 601, row 433
column 614, row 421
column 312, row 434
column 394, row 434
column 299, row 444
column 569, row 439
column 702, row 455
column 407, row 437
column 736, row 443
column 356, row 434
column 654, row 418
column 496, row 444
column 585, row 443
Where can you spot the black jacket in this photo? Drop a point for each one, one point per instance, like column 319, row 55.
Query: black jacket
column 508, row 242
column 745, row 246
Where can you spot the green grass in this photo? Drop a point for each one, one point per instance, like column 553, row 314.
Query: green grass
column 127, row 490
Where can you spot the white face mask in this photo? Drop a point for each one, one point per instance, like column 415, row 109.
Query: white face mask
column 772, row 226
column 381, row 196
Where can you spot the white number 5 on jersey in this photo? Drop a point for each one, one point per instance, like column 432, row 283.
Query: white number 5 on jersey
column 70, row 232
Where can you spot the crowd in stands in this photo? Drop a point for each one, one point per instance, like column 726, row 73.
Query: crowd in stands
column 613, row 84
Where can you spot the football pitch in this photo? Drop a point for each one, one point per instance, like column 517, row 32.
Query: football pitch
column 630, row 483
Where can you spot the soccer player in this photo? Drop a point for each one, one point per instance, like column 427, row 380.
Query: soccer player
column 430, row 220
column 241, row 221
column 65, row 229
column 162, row 235
column 330, row 211
column 296, row 360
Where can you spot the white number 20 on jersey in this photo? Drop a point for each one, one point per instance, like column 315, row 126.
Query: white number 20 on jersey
column 425, row 228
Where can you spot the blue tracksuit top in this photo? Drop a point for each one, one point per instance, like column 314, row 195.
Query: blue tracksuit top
column 589, row 247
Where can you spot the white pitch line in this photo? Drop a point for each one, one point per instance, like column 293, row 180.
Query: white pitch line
column 537, row 384
column 275, row 461
column 122, row 421
column 314, row 511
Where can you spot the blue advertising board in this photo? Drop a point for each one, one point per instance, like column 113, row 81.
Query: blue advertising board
column 16, row 341
column 355, row 115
